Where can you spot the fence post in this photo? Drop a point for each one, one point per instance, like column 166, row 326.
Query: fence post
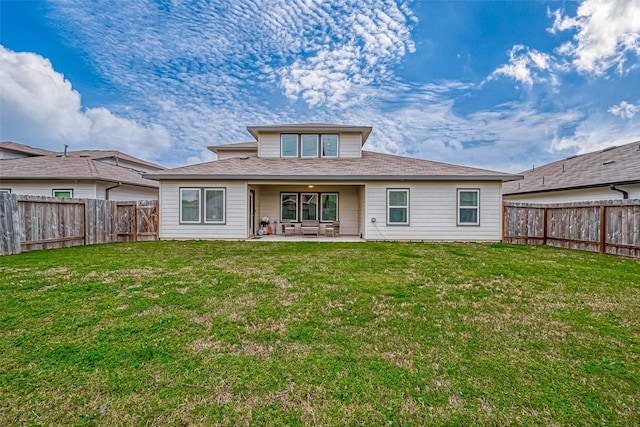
column 135, row 222
column 603, row 229
column 544, row 227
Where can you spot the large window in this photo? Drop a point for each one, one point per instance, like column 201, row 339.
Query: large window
column 193, row 211
column 62, row 193
column 190, row 205
column 397, row 206
column 309, row 208
column 468, row 207
column 309, row 145
column 329, row 207
column 329, row 145
column 289, row 207
column 214, row 205
column 289, row 145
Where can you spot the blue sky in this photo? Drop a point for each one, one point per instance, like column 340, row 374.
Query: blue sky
column 494, row 84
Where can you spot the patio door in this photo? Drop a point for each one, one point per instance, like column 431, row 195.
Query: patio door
column 252, row 212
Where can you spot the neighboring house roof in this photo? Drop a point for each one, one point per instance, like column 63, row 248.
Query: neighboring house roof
column 111, row 154
column 311, row 128
column 239, row 146
column 371, row 166
column 614, row 165
column 24, row 149
column 65, row 168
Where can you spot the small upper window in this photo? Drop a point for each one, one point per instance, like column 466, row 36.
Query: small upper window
column 62, row 193
column 468, row 207
column 329, row 145
column 309, row 145
column 289, row 145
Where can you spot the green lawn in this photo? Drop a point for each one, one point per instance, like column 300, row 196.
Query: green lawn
column 256, row 333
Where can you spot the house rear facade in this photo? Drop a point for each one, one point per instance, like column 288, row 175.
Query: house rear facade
column 319, row 172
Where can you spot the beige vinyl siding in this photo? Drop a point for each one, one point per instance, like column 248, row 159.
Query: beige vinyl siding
column 433, row 212
column 348, row 204
column 362, row 199
column 235, row 212
column 269, row 145
column 583, row 195
column 350, row 145
column 45, row 188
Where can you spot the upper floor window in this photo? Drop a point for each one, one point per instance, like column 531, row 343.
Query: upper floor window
column 468, row 207
column 309, row 145
column 289, row 145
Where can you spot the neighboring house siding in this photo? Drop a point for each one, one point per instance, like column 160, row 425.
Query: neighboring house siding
column 269, row 145
column 126, row 192
column 348, row 204
column 235, row 213
column 350, row 145
column 433, row 212
column 45, row 188
column 583, row 195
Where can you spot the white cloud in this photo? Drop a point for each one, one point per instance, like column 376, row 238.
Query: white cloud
column 608, row 32
column 527, row 66
column 624, row 110
column 40, row 107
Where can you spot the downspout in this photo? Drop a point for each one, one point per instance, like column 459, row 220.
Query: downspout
column 106, row 192
column 625, row 195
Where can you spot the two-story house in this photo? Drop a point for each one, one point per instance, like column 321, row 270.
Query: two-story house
column 293, row 173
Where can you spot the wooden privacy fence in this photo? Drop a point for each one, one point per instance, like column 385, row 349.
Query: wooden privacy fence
column 30, row 223
column 611, row 226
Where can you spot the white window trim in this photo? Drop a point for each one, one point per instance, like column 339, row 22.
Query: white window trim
column 5, row 191
column 224, row 205
column 199, row 205
column 297, row 210
column 55, row 190
column 337, row 207
column 337, row 145
column 468, row 190
column 406, row 190
column 297, row 146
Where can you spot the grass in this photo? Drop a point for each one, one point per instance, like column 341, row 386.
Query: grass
column 255, row 333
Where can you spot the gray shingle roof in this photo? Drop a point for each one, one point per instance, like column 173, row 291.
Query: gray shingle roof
column 615, row 165
column 372, row 166
column 77, row 168
column 238, row 146
column 112, row 154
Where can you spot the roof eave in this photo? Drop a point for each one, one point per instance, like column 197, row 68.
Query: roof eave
column 334, row 177
column 576, row 187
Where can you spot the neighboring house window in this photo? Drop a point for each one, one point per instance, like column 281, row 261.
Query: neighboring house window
column 329, row 207
column 309, row 145
column 190, row 205
column 214, row 205
column 289, row 145
column 329, row 145
column 62, row 193
column 468, row 207
column 289, row 207
column 309, row 210
column 5, row 190
column 397, row 206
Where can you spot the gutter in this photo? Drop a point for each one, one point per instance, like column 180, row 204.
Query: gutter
column 625, row 195
column 106, row 192
column 337, row 177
